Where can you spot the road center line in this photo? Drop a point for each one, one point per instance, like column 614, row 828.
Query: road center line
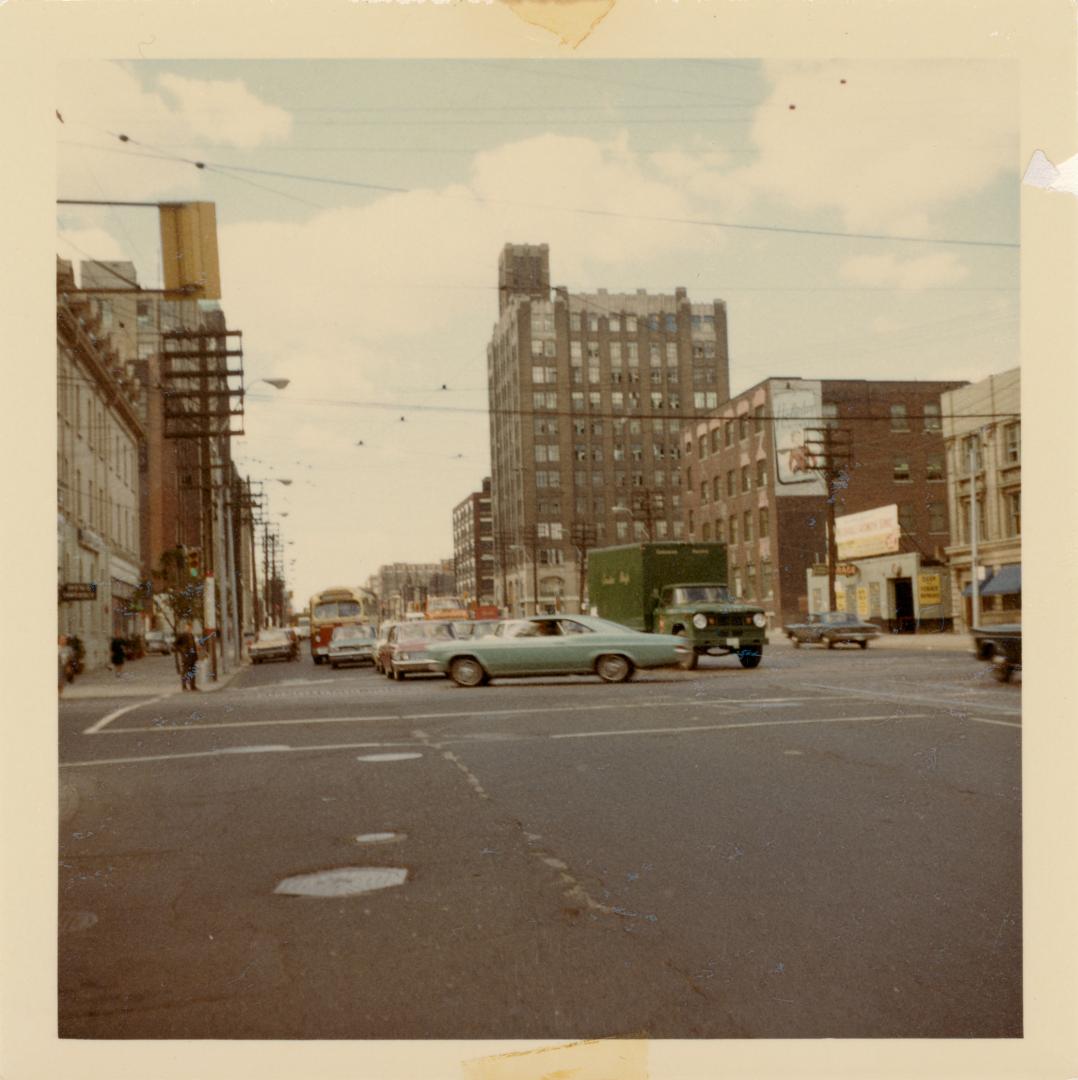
column 941, row 704
column 229, row 751
column 985, row 720
column 99, row 726
column 470, row 714
column 727, row 727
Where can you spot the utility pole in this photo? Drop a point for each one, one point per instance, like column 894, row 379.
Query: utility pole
column 830, row 449
column 583, row 538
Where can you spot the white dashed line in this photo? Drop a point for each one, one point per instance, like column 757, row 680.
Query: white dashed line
column 229, row 750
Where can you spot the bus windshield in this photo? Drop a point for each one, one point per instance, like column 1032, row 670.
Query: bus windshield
column 337, row 609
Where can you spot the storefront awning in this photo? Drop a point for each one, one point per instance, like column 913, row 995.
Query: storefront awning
column 1007, row 582
column 967, row 589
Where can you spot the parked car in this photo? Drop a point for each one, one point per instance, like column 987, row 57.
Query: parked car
column 273, row 644
column 474, row 628
column 406, row 646
column 557, row 645
column 294, row 638
column 303, row 628
column 1002, row 645
column 985, row 638
column 159, row 642
column 351, row 645
column 832, row 628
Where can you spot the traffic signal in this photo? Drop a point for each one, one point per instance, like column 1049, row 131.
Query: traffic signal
column 194, row 562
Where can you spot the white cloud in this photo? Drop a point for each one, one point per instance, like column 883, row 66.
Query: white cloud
column 891, row 140
column 919, row 272
column 226, row 112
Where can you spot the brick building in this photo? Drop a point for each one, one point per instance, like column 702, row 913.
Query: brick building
column 473, row 547
column 589, row 396
column 750, row 481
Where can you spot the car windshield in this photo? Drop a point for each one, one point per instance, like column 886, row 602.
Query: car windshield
column 701, row 594
column 274, row 637
column 836, row 618
column 337, row 609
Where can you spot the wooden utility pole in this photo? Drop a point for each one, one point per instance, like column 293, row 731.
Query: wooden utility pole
column 830, row 453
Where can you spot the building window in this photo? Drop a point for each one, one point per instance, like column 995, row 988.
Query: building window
column 716, row 440
column 1012, row 444
column 550, row 348
column 720, row 530
column 703, row 493
column 934, row 467
column 765, row 522
column 758, row 419
column 932, row 417
column 537, row 347
column 746, row 478
column 901, row 471
column 830, row 414
column 963, row 522
column 728, row 433
column 746, row 524
column 1012, row 502
column 733, row 530
column 766, row 586
column 716, row 487
column 615, row 323
column 574, row 320
column 630, row 324
column 621, row 530
column 575, row 353
column 671, row 354
column 905, row 519
column 971, row 449
column 731, row 482
column 899, row 418
column 937, row 518
column 750, row 580
column 761, row 473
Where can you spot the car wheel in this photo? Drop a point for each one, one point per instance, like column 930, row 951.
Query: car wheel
column 614, row 668
column 397, row 675
column 796, row 641
column 750, row 657
column 333, row 665
column 1001, row 670
column 467, row 671
column 830, row 642
column 687, row 663
column 863, row 644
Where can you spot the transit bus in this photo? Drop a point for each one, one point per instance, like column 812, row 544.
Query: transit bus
column 342, row 605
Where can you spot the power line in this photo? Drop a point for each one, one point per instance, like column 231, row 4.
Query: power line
column 587, row 211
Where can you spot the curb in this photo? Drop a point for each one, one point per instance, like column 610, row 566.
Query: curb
column 89, row 693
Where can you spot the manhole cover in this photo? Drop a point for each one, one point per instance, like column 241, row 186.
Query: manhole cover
column 387, row 757
column 345, row 881
column 378, row 837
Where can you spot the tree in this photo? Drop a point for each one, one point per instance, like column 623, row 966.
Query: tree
column 179, row 593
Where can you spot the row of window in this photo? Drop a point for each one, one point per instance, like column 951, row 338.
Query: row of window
column 547, row 452
column 930, row 414
column 751, row 525
column 615, row 322
column 1010, row 517
column 548, row 425
column 733, row 482
column 970, row 453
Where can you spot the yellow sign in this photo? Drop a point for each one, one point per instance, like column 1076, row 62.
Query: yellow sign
column 929, row 589
column 189, row 249
column 862, row 601
column 840, row 599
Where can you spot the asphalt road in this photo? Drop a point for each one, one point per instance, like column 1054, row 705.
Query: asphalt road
column 827, row 846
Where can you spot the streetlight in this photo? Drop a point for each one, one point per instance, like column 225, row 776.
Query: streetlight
column 277, row 384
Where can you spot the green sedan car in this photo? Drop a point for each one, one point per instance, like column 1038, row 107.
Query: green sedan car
column 556, row 645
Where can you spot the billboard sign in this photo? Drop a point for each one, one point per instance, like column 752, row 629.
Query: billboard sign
column 871, row 532
column 796, row 407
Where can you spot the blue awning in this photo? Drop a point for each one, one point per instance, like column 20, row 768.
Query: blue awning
column 1007, row 582
column 967, row 589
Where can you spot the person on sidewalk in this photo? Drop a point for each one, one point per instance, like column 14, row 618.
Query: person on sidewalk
column 117, row 655
column 186, row 650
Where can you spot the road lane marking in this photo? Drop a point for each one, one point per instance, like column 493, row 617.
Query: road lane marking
column 985, row 720
column 470, row 714
column 97, row 728
column 948, row 705
column 727, row 727
column 229, row 751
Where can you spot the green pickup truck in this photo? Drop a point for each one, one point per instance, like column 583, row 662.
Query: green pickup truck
column 676, row 588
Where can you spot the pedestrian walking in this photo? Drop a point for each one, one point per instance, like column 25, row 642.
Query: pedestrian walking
column 186, row 650
column 117, row 655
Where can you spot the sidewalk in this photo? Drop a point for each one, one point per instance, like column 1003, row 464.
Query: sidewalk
column 152, row 676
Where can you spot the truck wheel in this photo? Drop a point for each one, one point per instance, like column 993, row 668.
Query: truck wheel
column 750, row 658
column 613, row 668
column 1001, row 670
column 467, row 671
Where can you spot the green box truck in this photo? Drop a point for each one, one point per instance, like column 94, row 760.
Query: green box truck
column 676, row 588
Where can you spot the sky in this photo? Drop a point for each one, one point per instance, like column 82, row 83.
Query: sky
column 362, row 205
